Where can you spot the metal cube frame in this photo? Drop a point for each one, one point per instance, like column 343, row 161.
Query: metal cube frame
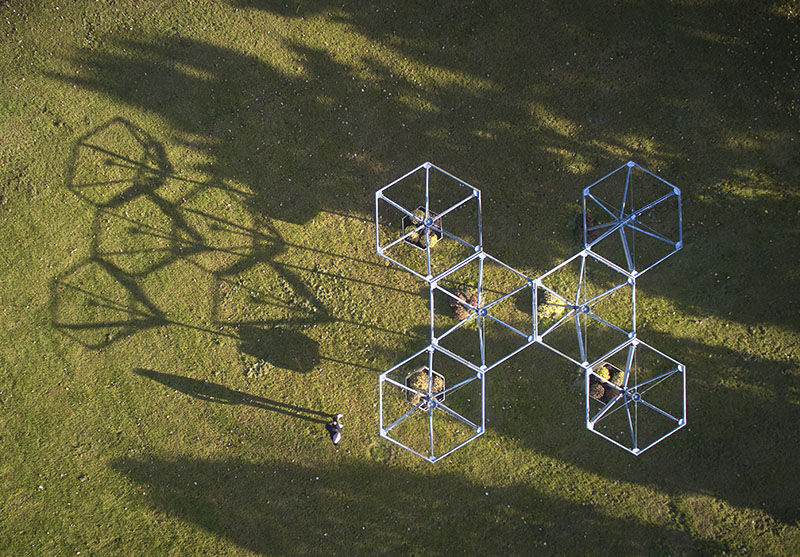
column 623, row 218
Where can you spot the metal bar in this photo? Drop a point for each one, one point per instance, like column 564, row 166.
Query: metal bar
column 630, row 425
column 504, row 297
column 458, row 385
column 659, row 410
column 404, row 416
column 606, row 323
column 480, row 219
column 427, row 218
column 560, row 353
column 406, row 175
column 604, row 225
column 403, row 387
column 506, row 325
column 454, row 207
column 608, row 407
column 458, row 416
column 656, row 378
column 431, row 313
column 409, row 449
column 580, row 281
column 478, row 434
column 456, row 178
column 401, row 209
column 508, row 356
column 456, row 267
column 412, row 271
column 629, row 363
column 402, row 238
column 430, row 428
column 661, row 438
column 458, row 325
column 605, row 293
column 628, row 258
column 615, row 442
column 559, row 322
column 652, row 204
column 602, row 205
column 625, row 192
column 458, row 358
column 651, row 234
column 453, row 237
column 583, row 216
column 377, row 226
column 580, row 337
column 512, row 269
column 547, row 289
column 404, row 362
column 659, row 178
column 604, row 177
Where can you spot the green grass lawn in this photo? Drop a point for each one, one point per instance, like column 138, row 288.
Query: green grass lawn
column 190, row 286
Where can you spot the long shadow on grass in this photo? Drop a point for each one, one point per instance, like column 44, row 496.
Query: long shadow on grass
column 149, row 220
column 742, row 412
column 666, row 84
column 281, row 508
column 220, row 394
column 597, row 84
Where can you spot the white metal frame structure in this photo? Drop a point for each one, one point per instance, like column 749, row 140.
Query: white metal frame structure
column 638, row 394
column 629, row 210
column 567, row 312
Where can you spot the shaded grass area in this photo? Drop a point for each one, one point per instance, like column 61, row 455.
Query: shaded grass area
column 190, row 285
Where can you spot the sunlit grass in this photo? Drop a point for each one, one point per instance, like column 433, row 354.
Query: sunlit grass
column 190, row 286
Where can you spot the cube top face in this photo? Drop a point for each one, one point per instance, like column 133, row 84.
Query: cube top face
column 431, row 404
column 632, row 219
column 482, row 312
column 584, row 308
column 635, row 396
column 428, row 221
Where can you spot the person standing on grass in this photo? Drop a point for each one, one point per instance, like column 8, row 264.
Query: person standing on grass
column 334, row 428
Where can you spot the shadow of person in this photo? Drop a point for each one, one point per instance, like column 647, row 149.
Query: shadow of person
column 280, row 347
column 213, row 392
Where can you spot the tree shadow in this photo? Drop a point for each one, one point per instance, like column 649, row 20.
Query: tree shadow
column 280, row 346
column 275, row 508
column 212, row 392
column 736, row 117
column 741, row 411
column 654, row 93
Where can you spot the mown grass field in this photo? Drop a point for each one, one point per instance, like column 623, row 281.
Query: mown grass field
column 190, row 286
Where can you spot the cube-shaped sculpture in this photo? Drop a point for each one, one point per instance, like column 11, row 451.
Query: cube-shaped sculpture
column 431, row 404
column 427, row 221
column 636, row 396
column 584, row 308
column 632, row 219
column 481, row 312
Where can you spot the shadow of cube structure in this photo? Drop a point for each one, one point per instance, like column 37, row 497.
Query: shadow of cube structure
column 428, row 222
